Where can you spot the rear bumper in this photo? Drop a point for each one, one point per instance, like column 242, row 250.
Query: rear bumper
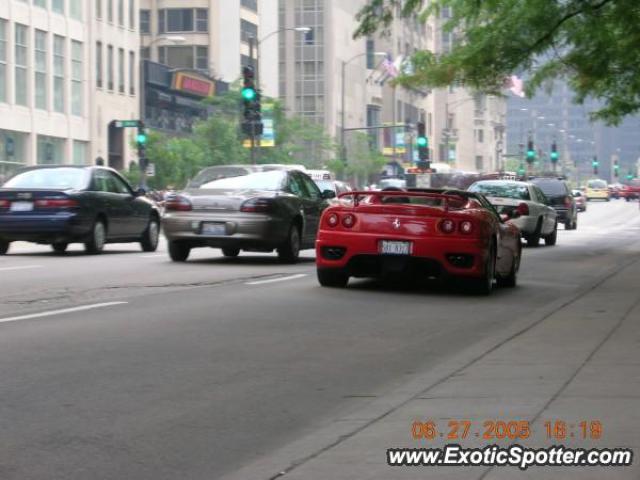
column 244, row 231
column 59, row 227
column 432, row 257
column 527, row 224
column 564, row 214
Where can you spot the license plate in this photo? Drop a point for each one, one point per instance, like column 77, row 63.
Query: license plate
column 21, row 206
column 389, row 247
column 214, row 229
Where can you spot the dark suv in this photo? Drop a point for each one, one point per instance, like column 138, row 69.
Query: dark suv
column 560, row 198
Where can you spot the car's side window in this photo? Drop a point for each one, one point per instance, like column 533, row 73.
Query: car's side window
column 543, row 198
column 295, row 186
column 100, row 181
column 312, row 188
column 116, row 185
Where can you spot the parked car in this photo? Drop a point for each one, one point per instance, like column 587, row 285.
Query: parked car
column 526, row 205
column 262, row 211
column 560, row 198
column 59, row 205
column 597, row 190
column 581, row 200
column 631, row 191
column 420, row 233
column 333, row 185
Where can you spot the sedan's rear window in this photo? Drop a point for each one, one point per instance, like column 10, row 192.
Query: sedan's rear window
column 597, row 184
column 273, row 180
column 50, row 178
column 215, row 173
column 551, row 187
column 501, row 190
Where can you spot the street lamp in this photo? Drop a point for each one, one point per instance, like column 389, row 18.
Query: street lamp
column 342, row 115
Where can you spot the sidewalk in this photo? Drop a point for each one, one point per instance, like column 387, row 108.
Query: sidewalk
column 578, row 362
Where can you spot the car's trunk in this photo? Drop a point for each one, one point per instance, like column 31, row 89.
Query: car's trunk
column 223, row 200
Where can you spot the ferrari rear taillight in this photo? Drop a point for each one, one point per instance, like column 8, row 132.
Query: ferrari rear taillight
column 257, row 205
column 466, row 227
column 523, row 209
column 447, row 226
column 56, row 203
column 178, row 203
column 333, row 220
column 348, row 221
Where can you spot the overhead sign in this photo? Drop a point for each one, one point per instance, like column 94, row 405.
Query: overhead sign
column 126, row 123
column 193, row 84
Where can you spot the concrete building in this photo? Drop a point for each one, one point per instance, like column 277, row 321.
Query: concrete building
column 67, row 70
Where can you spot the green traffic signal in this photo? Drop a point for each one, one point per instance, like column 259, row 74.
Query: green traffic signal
column 248, row 93
column 141, row 138
column 422, row 142
column 554, row 155
column 531, row 153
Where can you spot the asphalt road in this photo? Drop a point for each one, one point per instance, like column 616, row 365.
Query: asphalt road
column 155, row 370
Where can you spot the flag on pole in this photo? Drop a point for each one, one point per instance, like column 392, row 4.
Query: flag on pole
column 516, row 86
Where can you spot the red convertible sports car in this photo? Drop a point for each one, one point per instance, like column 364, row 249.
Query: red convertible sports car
column 428, row 232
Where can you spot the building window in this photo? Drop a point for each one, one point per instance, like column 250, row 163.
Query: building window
column 110, row 67
column 121, row 70
column 21, row 64
column 145, row 21
column 132, row 14
column 188, row 56
column 479, row 163
column 145, row 53
column 202, row 58
column 480, row 136
column 40, row 3
column 110, row 11
column 183, row 20
column 248, row 30
column 58, row 74
column 57, row 6
column 121, row 13
column 99, row 64
column 132, row 73
column 40, row 70
column 99, row 9
column 76, row 78
column 371, row 57
column 50, row 150
column 80, row 153
column 250, row 4
column 75, row 9
column 3, row 60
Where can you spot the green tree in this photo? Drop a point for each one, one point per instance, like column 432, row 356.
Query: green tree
column 363, row 161
column 593, row 44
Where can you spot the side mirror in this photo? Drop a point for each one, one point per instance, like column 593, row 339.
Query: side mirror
column 140, row 192
column 328, row 194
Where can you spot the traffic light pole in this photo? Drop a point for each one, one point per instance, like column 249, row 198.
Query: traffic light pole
column 252, row 42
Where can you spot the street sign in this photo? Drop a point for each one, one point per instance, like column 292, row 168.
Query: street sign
column 127, row 123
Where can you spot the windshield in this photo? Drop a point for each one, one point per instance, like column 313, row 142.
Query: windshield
column 255, row 181
column 551, row 187
column 50, row 178
column 502, row 190
column 597, row 184
column 215, row 173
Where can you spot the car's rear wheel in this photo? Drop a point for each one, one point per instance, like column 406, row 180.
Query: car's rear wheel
column 4, row 247
column 97, row 238
column 179, row 251
column 289, row 252
column 484, row 285
column 59, row 247
column 553, row 237
column 230, row 252
column 511, row 280
column 332, row 277
column 151, row 236
column 534, row 239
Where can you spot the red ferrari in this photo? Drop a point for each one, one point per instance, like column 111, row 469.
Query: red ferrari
column 433, row 233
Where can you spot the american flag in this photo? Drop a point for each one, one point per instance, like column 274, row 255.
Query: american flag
column 516, row 85
column 390, row 67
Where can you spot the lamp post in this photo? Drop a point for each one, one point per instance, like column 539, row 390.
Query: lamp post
column 343, row 149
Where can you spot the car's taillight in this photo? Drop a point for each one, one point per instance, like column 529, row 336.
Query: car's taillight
column 178, row 203
column 333, row 220
column 5, row 203
column 348, row 221
column 257, row 205
column 56, row 203
column 567, row 202
column 447, row 226
column 522, row 209
column 466, row 227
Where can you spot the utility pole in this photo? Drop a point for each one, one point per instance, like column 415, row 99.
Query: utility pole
column 252, row 41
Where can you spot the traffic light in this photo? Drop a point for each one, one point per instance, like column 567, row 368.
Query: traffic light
column 531, row 152
column 141, row 142
column 521, row 171
column 422, row 142
column 252, row 118
column 630, row 175
column 554, row 153
column 595, row 164
column 616, row 168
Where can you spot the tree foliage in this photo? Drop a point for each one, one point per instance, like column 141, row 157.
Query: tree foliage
column 363, row 160
column 593, row 44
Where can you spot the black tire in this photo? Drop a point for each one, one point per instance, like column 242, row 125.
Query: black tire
column 534, row 239
column 332, row 277
column 289, row 252
column 179, row 251
column 484, row 285
column 4, row 247
column 59, row 247
column 551, row 239
column 151, row 236
column 231, row 252
column 97, row 238
column 511, row 280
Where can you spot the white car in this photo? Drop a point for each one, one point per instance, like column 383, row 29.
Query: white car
column 525, row 205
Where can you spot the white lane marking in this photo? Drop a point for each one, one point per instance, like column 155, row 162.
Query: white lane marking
column 60, row 312
column 274, row 280
column 154, row 256
column 23, row 267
